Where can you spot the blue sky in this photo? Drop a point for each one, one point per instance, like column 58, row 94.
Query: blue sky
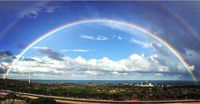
column 100, row 50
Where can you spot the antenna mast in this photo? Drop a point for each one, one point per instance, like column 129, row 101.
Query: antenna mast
column 29, row 78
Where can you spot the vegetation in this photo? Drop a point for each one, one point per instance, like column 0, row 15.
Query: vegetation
column 104, row 91
column 14, row 99
column 43, row 100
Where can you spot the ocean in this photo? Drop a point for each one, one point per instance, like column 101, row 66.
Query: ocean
column 155, row 82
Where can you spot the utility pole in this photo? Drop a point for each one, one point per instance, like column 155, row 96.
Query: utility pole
column 29, row 80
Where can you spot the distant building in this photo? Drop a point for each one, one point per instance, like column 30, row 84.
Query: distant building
column 125, row 83
column 145, row 85
column 3, row 93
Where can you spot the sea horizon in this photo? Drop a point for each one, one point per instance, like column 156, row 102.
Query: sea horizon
column 154, row 82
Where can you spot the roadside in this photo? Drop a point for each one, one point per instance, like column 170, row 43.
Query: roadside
column 67, row 100
column 93, row 101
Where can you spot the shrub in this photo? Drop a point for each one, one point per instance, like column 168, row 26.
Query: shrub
column 14, row 101
column 11, row 96
column 43, row 100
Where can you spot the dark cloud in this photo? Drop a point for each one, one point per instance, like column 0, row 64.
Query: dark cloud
column 160, row 49
column 177, row 28
column 2, row 70
column 6, row 58
column 50, row 53
column 170, row 22
column 193, row 58
column 21, row 46
column 28, row 59
column 5, row 53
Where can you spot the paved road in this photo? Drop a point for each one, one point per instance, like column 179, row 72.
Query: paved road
column 68, row 100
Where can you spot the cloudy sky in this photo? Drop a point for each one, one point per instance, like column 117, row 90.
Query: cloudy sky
column 100, row 50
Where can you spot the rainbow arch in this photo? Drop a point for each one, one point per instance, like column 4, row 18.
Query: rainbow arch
column 19, row 17
column 181, row 20
column 169, row 46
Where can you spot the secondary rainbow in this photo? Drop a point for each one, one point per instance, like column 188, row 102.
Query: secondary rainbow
column 184, row 23
column 20, row 17
column 169, row 46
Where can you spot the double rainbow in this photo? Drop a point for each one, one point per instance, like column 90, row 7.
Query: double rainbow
column 169, row 46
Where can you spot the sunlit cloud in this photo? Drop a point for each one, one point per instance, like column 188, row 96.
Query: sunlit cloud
column 94, row 37
column 76, row 50
column 79, row 67
column 104, row 66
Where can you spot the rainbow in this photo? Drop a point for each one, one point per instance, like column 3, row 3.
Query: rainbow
column 19, row 17
column 181, row 20
column 169, row 46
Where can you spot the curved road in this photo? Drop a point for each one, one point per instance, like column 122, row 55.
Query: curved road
column 93, row 101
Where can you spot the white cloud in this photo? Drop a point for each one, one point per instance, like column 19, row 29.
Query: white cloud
column 94, row 37
column 45, row 65
column 4, row 66
column 127, row 29
column 35, row 12
column 91, row 67
column 142, row 43
column 38, row 47
column 76, row 50
column 119, row 37
column 87, row 37
column 92, row 72
column 80, row 68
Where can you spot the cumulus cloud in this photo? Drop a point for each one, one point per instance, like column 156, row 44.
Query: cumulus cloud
column 76, row 50
column 137, row 65
column 167, row 58
column 39, row 65
column 94, row 37
column 155, row 46
column 164, row 55
column 92, row 67
column 3, row 67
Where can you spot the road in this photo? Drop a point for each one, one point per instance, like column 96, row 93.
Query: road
column 67, row 100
